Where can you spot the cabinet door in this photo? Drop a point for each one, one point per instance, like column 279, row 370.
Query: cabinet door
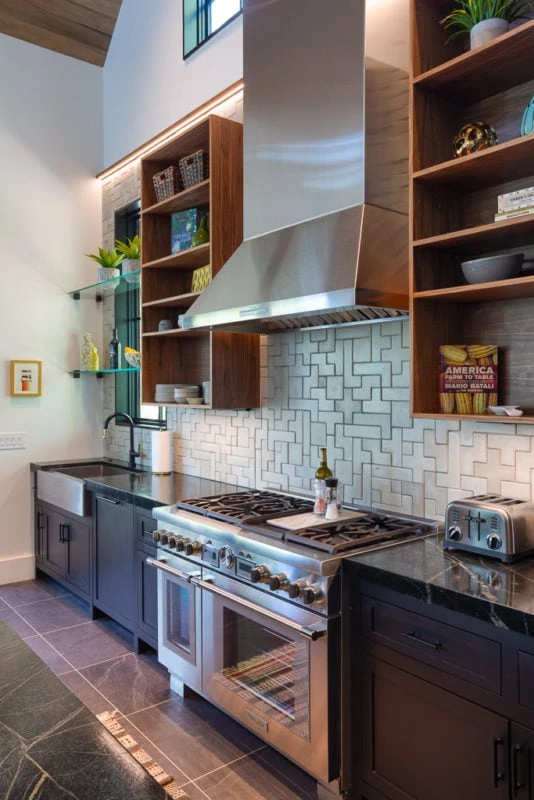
column 114, row 560
column 54, row 547
column 147, row 597
column 522, row 762
column 421, row 742
column 77, row 537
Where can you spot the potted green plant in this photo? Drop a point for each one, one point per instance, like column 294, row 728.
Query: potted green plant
column 131, row 250
column 109, row 261
column 484, row 19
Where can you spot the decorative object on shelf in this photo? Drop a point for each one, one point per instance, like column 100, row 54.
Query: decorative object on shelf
column 25, row 378
column 201, row 278
column 89, row 356
column 468, row 378
column 131, row 250
column 527, row 120
column 184, row 225
column 194, row 168
column 202, row 234
column 472, row 137
column 166, row 183
column 484, row 20
column 515, row 204
column 109, row 261
column 493, row 268
column 132, row 356
column 164, row 325
column 206, row 391
column 506, row 411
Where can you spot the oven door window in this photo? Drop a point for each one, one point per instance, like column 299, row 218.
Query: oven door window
column 267, row 668
column 180, row 618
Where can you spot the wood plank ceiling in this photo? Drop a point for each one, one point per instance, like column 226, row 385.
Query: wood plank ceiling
column 78, row 28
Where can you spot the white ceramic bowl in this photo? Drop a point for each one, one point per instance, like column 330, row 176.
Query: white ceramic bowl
column 195, row 401
column 493, row 268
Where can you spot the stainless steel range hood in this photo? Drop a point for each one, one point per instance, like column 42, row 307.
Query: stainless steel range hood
column 326, row 169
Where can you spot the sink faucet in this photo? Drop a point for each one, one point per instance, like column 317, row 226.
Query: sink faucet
column 133, row 452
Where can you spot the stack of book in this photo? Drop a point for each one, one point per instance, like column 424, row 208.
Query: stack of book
column 515, row 204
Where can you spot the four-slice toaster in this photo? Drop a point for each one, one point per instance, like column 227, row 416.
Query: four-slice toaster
column 490, row 525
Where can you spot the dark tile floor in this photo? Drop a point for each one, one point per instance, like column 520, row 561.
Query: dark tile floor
column 208, row 753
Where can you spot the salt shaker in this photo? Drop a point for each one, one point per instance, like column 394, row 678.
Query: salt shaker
column 332, row 511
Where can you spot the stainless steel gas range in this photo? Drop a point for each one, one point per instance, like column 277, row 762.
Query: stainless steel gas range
column 249, row 611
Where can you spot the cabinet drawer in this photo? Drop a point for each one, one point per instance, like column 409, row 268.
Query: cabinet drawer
column 145, row 525
column 473, row 658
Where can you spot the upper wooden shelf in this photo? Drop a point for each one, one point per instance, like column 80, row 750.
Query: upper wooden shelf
column 503, row 162
column 482, row 292
column 190, row 198
column 477, row 417
column 185, row 259
column 195, row 333
column 178, row 301
column 502, row 235
column 495, row 67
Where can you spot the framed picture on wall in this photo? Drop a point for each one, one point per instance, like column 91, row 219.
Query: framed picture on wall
column 25, row 379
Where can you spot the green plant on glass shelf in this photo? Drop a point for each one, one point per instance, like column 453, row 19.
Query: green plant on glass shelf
column 109, row 261
column 470, row 13
column 130, row 249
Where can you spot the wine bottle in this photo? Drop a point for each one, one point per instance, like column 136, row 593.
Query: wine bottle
column 114, row 351
column 322, row 472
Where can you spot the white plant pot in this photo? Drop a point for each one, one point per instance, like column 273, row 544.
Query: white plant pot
column 105, row 273
column 130, row 265
column 488, row 29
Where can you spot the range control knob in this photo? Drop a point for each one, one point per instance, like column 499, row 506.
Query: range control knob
column 163, row 537
column 454, row 533
column 156, row 535
column 277, row 582
column 493, row 541
column 171, row 541
column 311, row 594
column 227, row 557
column 180, row 543
column 293, row 589
column 193, row 548
column 260, row 574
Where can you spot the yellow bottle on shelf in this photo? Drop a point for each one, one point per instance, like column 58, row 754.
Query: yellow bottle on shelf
column 89, row 360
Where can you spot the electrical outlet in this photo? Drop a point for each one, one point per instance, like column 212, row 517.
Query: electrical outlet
column 12, row 441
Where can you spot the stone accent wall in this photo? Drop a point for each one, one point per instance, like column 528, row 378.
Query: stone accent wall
column 346, row 388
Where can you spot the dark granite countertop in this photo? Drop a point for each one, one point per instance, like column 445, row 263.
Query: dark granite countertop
column 51, row 746
column 485, row 588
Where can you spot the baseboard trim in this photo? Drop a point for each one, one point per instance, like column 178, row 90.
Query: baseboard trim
column 13, row 570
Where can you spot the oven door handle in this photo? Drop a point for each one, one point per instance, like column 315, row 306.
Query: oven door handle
column 313, row 632
column 177, row 573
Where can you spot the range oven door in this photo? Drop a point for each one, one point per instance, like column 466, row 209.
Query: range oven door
column 179, row 618
column 268, row 668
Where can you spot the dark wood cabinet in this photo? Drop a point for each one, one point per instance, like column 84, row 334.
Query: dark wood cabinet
column 63, row 548
column 114, row 580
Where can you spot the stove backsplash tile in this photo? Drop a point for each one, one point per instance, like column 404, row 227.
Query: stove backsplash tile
column 346, row 388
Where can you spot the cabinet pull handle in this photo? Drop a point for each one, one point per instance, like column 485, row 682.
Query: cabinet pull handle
column 108, row 500
column 497, row 776
column 66, row 532
column 61, row 533
column 413, row 636
column 517, row 750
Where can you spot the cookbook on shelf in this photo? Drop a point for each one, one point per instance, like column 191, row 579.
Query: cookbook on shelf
column 468, row 378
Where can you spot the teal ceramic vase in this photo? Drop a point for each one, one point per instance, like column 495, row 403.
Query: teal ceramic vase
column 527, row 122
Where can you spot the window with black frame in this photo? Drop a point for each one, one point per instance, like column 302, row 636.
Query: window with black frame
column 128, row 324
column 202, row 19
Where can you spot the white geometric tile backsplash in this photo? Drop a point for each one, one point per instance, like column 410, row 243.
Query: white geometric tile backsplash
column 344, row 388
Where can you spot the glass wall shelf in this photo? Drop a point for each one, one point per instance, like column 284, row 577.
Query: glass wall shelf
column 97, row 291
column 77, row 373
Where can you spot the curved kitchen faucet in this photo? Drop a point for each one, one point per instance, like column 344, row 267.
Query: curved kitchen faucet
column 133, row 452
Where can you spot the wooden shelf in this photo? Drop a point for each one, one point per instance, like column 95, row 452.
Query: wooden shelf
column 494, row 236
column 185, row 259
column 202, row 406
column 479, row 418
column 173, row 332
column 503, row 162
column 482, row 292
column 190, row 198
column 179, row 301
column 488, row 70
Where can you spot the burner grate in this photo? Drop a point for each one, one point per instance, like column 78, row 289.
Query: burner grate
column 347, row 535
column 253, row 506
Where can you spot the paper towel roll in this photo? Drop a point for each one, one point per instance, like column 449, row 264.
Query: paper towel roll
column 161, row 452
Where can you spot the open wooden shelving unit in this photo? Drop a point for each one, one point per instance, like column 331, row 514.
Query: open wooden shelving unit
column 229, row 360
column 453, row 202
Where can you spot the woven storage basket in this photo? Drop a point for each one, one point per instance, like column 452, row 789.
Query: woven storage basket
column 194, row 168
column 166, row 183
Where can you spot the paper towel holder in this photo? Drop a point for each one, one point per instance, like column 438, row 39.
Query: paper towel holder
column 161, row 453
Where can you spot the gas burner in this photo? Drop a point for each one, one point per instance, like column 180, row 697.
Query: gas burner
column 346, row 535
column 248, row 506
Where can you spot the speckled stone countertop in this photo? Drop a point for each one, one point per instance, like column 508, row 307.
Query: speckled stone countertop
column 145, row 489
column 51, row 746
column 502, row 594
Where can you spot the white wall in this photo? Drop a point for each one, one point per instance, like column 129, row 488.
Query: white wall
column 50, row 215
column 148, row 85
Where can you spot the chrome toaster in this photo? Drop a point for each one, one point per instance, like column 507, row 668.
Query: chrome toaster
column 490, row 525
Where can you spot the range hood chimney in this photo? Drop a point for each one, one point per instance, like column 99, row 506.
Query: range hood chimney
column 325, row 169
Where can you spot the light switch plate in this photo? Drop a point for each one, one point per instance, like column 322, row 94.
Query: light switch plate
column 12, row 441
